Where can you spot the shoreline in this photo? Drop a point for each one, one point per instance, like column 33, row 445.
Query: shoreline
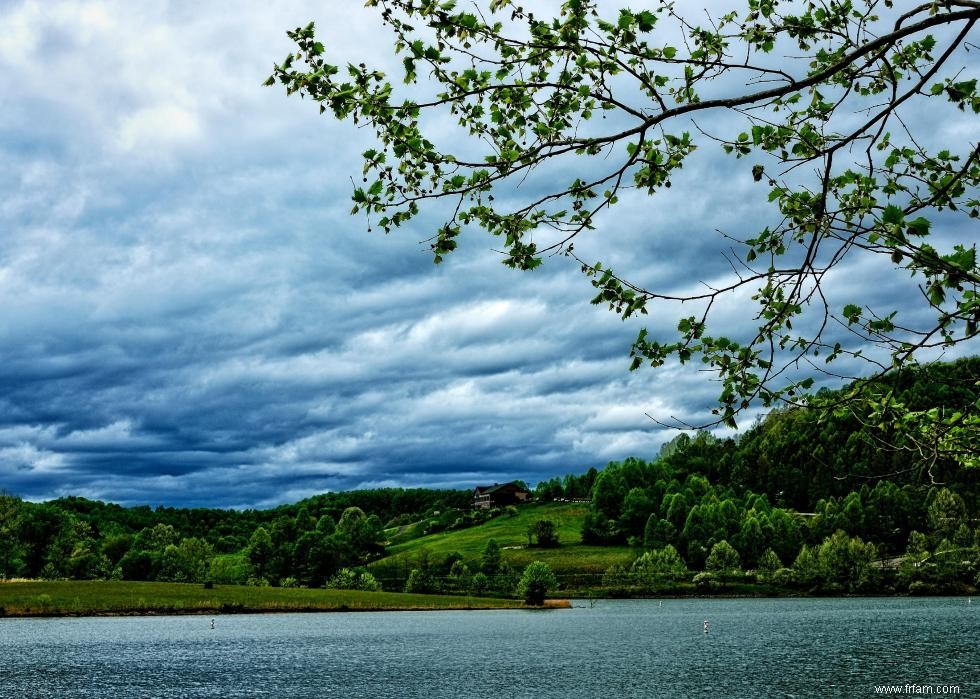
column 73, row 599
column 437, row 604
column 70, row 614
column 67, row 598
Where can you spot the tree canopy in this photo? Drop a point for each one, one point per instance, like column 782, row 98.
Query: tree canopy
column 822, row 103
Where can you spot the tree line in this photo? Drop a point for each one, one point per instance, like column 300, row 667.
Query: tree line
column 800, row 499
column 794, row 486
column 303, row 543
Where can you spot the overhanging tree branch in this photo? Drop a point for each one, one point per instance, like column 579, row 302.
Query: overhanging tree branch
column 532, row 90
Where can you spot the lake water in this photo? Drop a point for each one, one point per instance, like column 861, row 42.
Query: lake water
column 630, row 648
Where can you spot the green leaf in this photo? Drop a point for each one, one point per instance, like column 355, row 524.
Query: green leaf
column 645, row 20
column 918, row 226
column 467, row 20
column 892, row 214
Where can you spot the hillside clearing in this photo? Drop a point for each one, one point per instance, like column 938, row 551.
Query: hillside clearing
column 510, row 532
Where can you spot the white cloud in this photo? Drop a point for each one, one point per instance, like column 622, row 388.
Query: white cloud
column 194, row 317
column 153, row 128
column 28, row 457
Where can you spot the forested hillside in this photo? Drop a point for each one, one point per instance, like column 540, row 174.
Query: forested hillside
column 305, row 542
column 799, row 500
column 798, row 484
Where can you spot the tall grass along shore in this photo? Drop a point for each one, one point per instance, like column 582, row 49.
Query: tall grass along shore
column 107, row 598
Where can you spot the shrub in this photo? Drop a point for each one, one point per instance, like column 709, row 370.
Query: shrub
column 347, row 579
column 544, row 532
column 783, row 576
column 435, row 526
column 705, row 582
column 419, row 582
column 617, row 580
column 459, row 578
column 369, row 583
column 479, row 584
column 535, row 583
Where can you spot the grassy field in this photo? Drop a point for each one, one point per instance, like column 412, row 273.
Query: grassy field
column 91, row 598
column 511, row 533
column 399, row 535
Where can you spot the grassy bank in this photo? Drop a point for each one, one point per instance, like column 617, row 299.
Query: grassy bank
column 94, row 598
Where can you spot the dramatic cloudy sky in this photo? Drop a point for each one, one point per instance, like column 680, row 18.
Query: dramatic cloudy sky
column 190, row 316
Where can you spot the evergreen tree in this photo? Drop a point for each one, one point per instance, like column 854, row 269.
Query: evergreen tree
column 491, row 560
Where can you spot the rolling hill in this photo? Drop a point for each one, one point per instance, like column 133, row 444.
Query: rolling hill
column 510, row 532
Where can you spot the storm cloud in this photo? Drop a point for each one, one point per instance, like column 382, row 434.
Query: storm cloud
column 191, row 316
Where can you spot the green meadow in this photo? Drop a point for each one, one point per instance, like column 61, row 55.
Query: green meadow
column 510, row 532
column 90, row 597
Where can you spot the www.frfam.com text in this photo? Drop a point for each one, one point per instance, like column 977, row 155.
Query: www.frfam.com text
column 917, row 689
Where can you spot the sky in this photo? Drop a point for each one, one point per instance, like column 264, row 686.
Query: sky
column 192, row 317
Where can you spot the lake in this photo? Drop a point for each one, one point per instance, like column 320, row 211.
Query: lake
column 628, row 648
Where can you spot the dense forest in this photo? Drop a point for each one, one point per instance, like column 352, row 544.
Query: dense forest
column 305, row 542
column 815, row 501
column 800, row 500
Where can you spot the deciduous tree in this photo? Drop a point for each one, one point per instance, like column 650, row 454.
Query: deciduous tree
column 544, row 533
column 535, row 583
column 820, row 103
column 723, row 559
column 658, row 565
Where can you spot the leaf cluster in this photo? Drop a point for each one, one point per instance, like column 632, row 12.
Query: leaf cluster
column 826, row 130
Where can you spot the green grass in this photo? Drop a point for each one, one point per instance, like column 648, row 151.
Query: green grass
column 511, row 534
column 397, row 535
column 89, row 598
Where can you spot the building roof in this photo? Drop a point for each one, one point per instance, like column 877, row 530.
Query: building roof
column 486, row 489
